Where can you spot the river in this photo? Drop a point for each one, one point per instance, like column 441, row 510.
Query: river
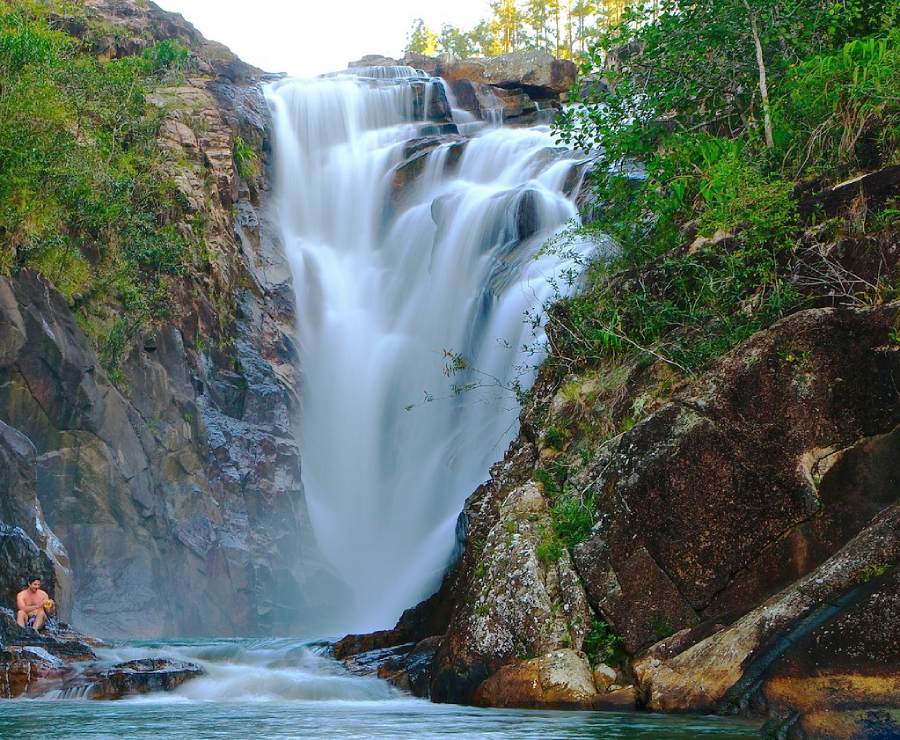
column 285, row 688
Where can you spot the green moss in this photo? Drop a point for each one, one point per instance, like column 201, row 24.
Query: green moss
column 874, row 570
column 554, row 437
column 549, row 549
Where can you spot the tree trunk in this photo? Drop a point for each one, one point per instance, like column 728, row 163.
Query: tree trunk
column 763, row 85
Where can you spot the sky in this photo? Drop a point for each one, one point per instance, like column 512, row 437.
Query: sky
column 305, row 38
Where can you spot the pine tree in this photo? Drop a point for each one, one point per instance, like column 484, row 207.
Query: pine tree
column 536, row 16
column 507, row 21
column 582, row 11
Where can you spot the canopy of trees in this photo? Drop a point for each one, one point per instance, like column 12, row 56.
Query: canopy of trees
column 562, row 27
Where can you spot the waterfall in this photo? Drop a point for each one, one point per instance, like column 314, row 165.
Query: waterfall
column 404, row 245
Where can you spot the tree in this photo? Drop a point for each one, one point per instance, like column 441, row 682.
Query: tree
column 535, row 17
column 483, row 39
column 555, row 9
column 507, row 21
column 421, row 39
column 453, row 40
column 582, row 11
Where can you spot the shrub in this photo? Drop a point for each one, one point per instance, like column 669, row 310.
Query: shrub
column 82, row 199
column 601, row 645
column 245, row 159
column 838, row 107
column 62, row 264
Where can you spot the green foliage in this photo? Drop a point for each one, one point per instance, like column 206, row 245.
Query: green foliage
column 842, row 107
column 82, row 197
column 246, row 161
column 549, row 549
column 682, row 152
column 874, row 570
column 601, row 645
column 573, row 518
column 421, row 39
column 554, row 437
column 660, row 627
column 571, row 512
column 62, row 263
column 165, row 55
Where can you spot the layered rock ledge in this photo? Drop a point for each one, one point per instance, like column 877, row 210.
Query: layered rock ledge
column 61, row 662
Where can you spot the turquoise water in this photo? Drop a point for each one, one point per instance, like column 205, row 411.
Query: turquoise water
column 286, row 689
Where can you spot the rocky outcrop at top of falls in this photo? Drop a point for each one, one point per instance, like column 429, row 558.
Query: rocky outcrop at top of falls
column 514, row 87
column 744, row 556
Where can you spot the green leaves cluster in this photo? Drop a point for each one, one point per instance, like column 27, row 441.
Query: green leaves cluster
column 82, row 197
column 709, row 114
column 571, row 512
column 602, row 645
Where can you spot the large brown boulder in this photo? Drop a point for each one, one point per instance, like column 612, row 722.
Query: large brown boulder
column 740, row 485
column 531, row 69
column 144, row 676
column 535, row 71
column 826, row 643
column 560, row 679
column 842, row 676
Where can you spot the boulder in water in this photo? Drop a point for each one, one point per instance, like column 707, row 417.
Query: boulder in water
column 522, row 601
column 30, row 671
column 412, row 671
column 558, row 680
column 143, row 676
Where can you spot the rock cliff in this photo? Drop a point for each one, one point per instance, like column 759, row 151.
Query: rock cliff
column 166, row 499
column 725, row 542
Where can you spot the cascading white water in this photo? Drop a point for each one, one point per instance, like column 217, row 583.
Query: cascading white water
column 386, row 281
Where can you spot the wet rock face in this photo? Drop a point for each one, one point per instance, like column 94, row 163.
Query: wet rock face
column 160, row 487
column 412, row 672
column 29, row 548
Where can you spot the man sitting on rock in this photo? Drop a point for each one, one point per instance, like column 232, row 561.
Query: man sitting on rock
column 33, row 605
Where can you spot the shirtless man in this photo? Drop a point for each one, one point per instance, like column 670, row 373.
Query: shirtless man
column 32, row 604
